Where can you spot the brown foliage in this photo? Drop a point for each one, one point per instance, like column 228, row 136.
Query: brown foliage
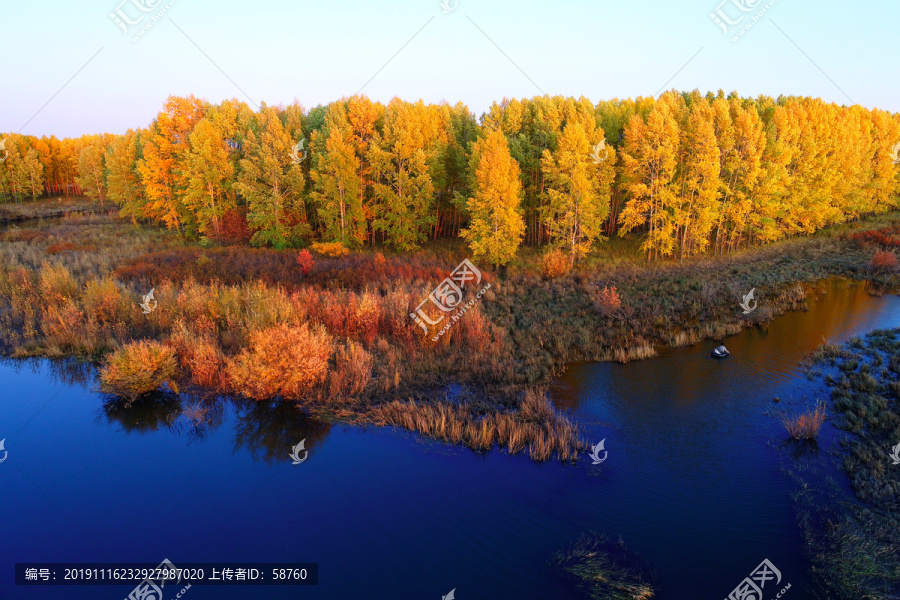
column 352, row 372
column 235, row 265
column 234, row 228
column 535, row 426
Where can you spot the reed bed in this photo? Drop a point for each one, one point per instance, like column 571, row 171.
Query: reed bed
column 605, row 570
column 535, row 426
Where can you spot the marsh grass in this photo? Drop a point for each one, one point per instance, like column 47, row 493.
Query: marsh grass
column 806, row 425
column 534, row 426
column 605, row 570
column 855, row 543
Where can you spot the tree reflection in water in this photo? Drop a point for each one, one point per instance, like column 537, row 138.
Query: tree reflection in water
column 269, row 429
column 148, row 413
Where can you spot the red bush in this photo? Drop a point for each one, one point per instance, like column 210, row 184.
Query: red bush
column 305, row 260
column 884, row 262
column 608, row 301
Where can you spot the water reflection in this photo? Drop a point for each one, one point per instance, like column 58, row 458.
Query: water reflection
column 269, row 429
column 699, row 433
column 148, row 413
column 266, row 429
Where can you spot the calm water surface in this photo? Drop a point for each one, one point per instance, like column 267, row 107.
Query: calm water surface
column 693, row 481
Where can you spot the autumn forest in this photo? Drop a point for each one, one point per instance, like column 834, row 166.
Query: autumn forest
column 692, row 174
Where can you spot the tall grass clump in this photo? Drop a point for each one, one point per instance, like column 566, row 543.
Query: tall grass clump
column 805, row 426
column 138, row 368
column 352, row 371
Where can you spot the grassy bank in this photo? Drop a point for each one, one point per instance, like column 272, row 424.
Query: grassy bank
column 334, row 333
column 49, row 208
column 855, row 541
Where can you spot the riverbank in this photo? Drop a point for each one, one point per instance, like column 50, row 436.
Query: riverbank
column 855, row 537
column 238, row 321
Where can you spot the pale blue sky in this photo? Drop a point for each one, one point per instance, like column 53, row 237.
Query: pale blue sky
column 317, row 51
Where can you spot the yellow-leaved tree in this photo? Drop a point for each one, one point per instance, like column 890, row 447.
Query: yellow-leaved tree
column 649, row 161
column 497, row 224
column 577, row 189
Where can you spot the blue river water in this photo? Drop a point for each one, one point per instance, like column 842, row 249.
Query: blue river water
column 693, row 482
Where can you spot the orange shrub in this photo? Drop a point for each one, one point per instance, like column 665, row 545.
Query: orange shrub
column 200, row 356
column 234, row 226
column 555, row 264
column 137, row 368
column 367, row 316
column 282, row 361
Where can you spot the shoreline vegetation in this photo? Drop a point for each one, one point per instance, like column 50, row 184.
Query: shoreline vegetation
column 333, row 334
column 853, row 534
column 286, row 247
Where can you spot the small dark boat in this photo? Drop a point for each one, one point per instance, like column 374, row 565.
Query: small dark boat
column 720, row 352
